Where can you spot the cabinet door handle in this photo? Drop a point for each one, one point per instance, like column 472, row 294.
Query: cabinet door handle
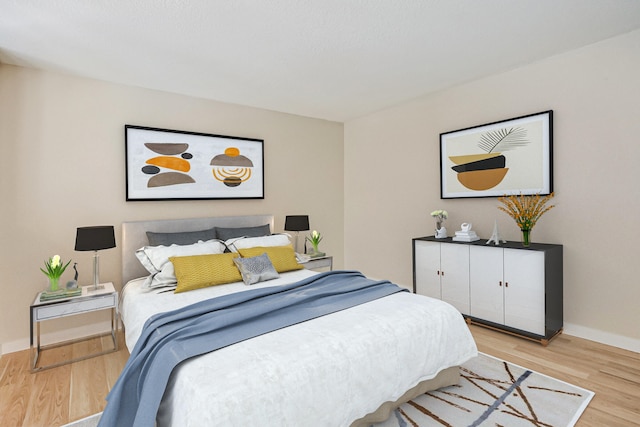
column 442, row 273
column 500, row 283
column 506, row 284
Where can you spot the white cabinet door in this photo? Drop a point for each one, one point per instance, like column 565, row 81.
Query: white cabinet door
column 486, row 284
column 427, row 265
column 454, row 275
column 524, row 298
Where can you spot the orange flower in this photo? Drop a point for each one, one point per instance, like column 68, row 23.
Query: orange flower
column 525, row 210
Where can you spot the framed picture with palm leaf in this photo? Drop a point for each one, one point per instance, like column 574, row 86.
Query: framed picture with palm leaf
column 512, row 156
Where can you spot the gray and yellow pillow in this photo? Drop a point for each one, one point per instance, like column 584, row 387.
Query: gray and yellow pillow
column 201, row 271
column 283, row 258
column 256, row 269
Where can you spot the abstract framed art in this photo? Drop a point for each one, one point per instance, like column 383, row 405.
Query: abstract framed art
column 165, row 164
column 511, row 156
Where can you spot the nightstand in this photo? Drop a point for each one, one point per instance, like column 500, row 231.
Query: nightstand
column 319, row 262
column 88, row 301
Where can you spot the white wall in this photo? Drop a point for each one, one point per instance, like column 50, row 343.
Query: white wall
column 62, row 166
column 392, row 179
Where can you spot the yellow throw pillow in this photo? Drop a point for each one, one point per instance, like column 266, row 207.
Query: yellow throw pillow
column 200, row 271
column 282, row 257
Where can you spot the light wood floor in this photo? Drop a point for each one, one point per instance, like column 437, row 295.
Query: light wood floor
column 67, row 393
column 53, row 397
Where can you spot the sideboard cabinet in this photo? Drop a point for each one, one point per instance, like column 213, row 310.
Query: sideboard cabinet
column 510, row 287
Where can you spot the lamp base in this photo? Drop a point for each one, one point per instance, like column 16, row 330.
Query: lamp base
column 295, row 243
column 96, row 274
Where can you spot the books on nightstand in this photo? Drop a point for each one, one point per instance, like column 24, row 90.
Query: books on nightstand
column 62, row 293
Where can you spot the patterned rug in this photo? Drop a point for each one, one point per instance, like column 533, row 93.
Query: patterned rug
column 90, row 421
column 493, row 392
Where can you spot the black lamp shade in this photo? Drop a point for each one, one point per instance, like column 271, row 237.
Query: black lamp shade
column 296, row 223
column 95, row 238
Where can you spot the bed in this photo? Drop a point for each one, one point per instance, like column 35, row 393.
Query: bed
column 350, row 367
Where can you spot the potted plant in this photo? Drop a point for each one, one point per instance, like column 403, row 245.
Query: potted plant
column 54, row 270
column 526, row 211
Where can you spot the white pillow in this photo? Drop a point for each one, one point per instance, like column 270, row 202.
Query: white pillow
column 263, row 241
column 164, row 278
column 156, row 260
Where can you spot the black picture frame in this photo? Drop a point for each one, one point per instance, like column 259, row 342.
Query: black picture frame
column 513, row 156
column 168, row 164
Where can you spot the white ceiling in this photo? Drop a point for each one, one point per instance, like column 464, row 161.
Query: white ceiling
column 330, row 59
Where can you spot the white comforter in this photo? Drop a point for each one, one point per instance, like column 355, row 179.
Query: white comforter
column 328, row 371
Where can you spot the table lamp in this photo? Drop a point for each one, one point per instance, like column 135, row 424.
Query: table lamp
column 94, row 239
column 296, row 223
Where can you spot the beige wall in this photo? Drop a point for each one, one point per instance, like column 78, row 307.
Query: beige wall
column 392, row 179
column 62, row 166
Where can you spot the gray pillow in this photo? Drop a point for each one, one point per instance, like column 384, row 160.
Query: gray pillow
column 229, row 233
column 181, row 238
column 256, row 269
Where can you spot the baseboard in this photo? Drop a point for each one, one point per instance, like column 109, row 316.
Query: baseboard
column 602, row 337
column 59, row 336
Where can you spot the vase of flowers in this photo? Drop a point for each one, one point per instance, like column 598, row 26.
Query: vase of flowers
column 53, row 270
column 315, row 238
column 440, row 215
column 526, row 211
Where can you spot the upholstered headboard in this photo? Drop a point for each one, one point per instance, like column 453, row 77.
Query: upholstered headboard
column 134, row 235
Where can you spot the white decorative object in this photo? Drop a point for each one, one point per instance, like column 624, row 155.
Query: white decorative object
column 495, row 236
column 440, row 215
column 441, row 233
column 466, row 234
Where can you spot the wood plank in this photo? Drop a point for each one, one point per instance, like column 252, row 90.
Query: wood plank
column 88, row 381
column 48, row 401
column 15, row 388
column 622, row 372
column 14, row 402
column 115, row 362
column 594, row 417
column 54, row 355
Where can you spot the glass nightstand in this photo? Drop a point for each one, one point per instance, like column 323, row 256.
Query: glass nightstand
column 90, row 300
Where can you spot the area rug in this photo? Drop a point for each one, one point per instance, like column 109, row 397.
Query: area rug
column 493, row 392
column 90, row 421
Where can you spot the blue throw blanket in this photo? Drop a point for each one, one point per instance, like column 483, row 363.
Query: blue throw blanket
column 170, row 338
